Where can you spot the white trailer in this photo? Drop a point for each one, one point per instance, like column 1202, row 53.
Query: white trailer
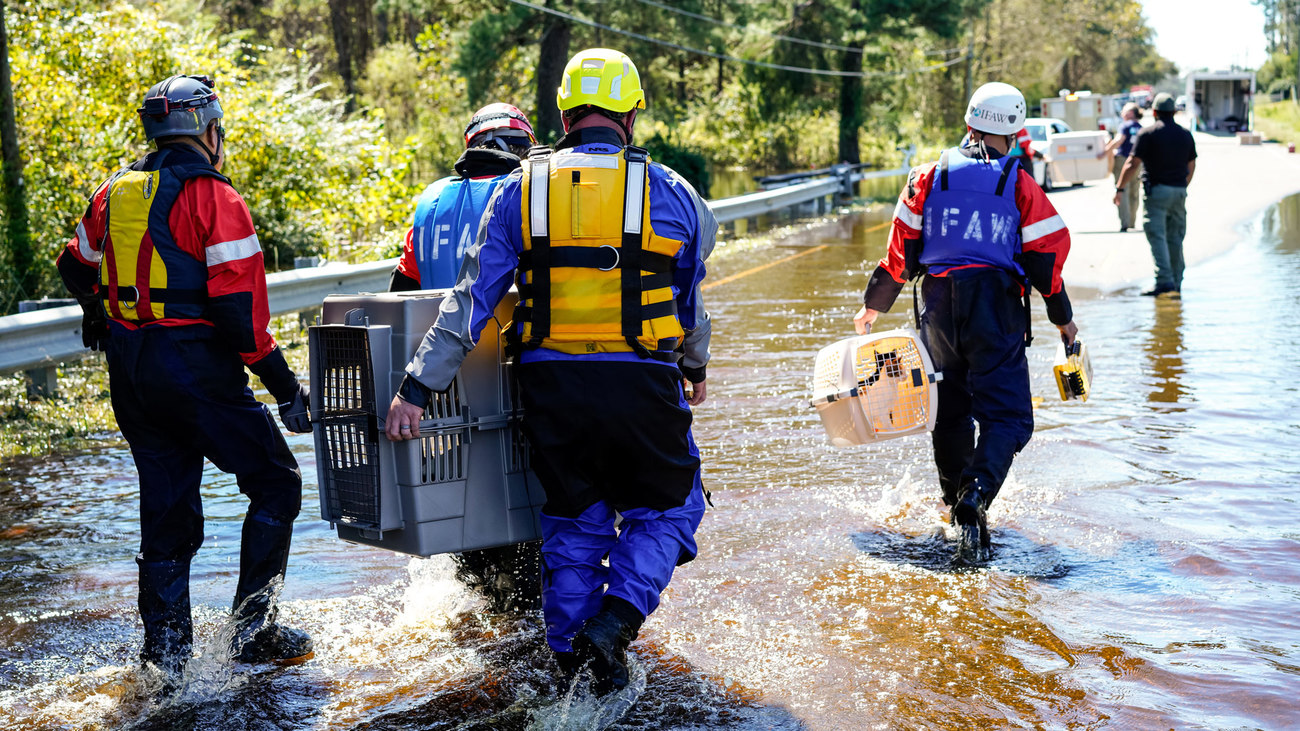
column 1220, row 100
column 1083, row 110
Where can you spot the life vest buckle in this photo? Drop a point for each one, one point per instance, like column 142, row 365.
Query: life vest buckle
column 129, row 301
column 616, row 258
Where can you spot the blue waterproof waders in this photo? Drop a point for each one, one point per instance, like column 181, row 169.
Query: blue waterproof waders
column 606, row 437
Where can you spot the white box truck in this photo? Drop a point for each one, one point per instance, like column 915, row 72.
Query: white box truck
column 1219, row 101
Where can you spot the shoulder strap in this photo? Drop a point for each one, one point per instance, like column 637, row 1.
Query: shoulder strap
column 1009, row 165
column 539, row 273
column 634, row 195
column 943, row 170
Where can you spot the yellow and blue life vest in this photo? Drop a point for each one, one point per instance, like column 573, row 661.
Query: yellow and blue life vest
column 594, row 277
column 144, row 276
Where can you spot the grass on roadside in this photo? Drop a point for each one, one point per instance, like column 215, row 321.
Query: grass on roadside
column 81, row 410
column 1278, row 121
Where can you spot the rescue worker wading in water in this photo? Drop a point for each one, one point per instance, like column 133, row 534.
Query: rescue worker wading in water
column 447, row 217
column 608, row 251
column 168, row 271
column 979, row 231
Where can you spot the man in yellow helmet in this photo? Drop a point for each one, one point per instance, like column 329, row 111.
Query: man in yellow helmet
column 608, row 251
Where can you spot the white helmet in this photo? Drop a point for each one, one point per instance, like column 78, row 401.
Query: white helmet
column 996, row 109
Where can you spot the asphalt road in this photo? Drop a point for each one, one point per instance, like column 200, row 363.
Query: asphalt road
column 1232, row 185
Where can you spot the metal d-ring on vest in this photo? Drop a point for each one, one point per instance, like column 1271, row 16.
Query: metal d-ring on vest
column 630, row 258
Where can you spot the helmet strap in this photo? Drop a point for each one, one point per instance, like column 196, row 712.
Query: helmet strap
column 212, row 156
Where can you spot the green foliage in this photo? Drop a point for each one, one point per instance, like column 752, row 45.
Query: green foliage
column 1278, row 120
column 1278, row 73
column 316, row 182
column 686, row 161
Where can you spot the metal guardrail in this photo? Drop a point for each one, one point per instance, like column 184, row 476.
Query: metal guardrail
column 45, row 338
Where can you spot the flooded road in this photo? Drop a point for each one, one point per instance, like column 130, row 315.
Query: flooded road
column 1145, row 571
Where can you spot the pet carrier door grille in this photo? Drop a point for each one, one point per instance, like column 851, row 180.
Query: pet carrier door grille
column 350, row 426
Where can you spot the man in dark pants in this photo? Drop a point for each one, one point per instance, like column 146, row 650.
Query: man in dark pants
column 1167, row 155
column 608, row 251
column 168, row 271
column 980, row 231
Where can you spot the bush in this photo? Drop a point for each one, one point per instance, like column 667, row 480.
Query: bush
column 316, row 181
column 688, row 163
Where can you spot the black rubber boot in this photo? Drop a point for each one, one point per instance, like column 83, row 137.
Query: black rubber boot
column 953, row 452
column 969, row 514
column 601, row 644
column 568, row 662
column 164, row 602
column 263, row 555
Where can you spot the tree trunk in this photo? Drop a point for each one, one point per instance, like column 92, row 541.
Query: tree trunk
column 553, row 56
column 341, row 24
column 21, row 256
column 851, row 116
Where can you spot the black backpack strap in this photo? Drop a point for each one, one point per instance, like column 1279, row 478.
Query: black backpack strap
column 943, row 170
column 1008, row 169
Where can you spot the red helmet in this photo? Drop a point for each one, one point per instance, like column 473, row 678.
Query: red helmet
column 499, row 120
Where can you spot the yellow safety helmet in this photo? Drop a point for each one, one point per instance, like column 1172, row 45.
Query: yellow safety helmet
column 600, row 77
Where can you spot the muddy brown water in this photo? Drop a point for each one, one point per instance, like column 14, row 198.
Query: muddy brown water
column 1146, row 568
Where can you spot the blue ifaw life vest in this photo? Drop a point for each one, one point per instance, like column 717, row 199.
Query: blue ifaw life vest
column 446, row 224
column 970, row 215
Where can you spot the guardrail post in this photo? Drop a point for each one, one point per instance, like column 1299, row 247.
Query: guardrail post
column 844, row 172
column 43, row 382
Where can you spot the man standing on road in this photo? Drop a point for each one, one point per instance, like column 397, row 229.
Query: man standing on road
column 168, row 271
column 1120, row 148
column 1167, row 154
column 980, row 232
column 608, row 251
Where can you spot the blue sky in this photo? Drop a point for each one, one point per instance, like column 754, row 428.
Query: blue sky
column 1200, row 33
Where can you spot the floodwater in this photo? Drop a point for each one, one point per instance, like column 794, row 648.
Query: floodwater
column 1145, row 570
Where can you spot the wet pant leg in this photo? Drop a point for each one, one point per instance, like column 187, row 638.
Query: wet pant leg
column 953, row 438
column 651, row 544
column 1177, row 230
column 992, row 337
column 608, row 437
column 1156, row 226
column 573, row 575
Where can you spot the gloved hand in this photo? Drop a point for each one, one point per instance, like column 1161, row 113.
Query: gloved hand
column 293, row 413
column 94, row 330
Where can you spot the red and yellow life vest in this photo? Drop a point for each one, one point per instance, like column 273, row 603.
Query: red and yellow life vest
column 144, row 276
column 594, row 276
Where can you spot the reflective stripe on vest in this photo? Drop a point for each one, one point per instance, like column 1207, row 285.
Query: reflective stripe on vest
column 144, row 276
column 594, row 276
column 446, row 224
column 970, row 215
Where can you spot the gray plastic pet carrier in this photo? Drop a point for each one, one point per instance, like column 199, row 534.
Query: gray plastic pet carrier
column 464, row 483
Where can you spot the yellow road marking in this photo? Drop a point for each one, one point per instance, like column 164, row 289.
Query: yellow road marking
column 770, row 264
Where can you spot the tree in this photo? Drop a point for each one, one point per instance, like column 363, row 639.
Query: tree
column 22, row 258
